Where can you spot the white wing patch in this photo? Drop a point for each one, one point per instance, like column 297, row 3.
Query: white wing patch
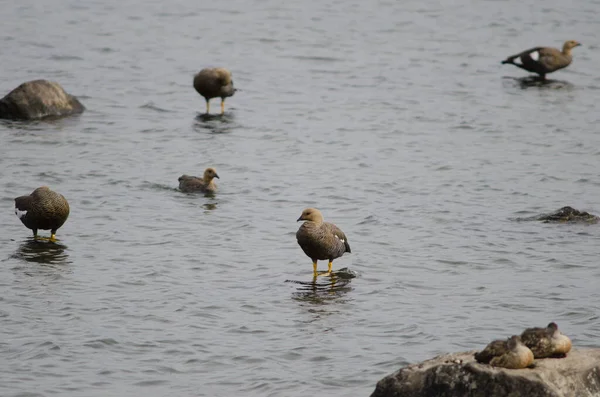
column 534, row 55
column 341, row 239
column 20, row 213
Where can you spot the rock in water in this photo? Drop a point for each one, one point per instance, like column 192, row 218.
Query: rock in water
column 568, row 215
column 38, row 99
column 459, row 375
column 564, row 215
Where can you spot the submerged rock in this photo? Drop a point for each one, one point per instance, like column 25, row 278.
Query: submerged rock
column 564, row 215
column 459, row 375
column 38, row 99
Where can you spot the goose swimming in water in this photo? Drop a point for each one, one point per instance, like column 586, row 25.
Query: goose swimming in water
column 206, row 184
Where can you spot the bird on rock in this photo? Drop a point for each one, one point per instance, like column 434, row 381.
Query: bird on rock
column 189, row 184
column 544, row 60
column 214, row 83
column 546, row 342
column 511, row 353
column 320, row 240
column 43, row 209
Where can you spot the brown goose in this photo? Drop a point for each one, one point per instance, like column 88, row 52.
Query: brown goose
column 42, row 209
column 511, row 353
column 320, row 240
column 493, row 349
column 544, row 60
column 188, row 184
column 214, row 83
column 546, row 342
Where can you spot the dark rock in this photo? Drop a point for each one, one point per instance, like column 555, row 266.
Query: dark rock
column 568, row 215
column 38, row 99
column 459, row 375
column 564, row 215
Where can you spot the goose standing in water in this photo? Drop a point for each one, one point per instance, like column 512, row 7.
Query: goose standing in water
column 544, row 60
column 320, row 240
column 43, row 209
column 214, row 83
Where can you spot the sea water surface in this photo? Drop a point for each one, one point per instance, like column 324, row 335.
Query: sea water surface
column 395, row 119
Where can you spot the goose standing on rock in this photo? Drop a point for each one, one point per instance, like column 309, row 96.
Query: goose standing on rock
column 546, row 342
column 544, row 60
column 214, row 83
column 42, row 209
column 320, row 240
column 188, row 184
column 511, row 353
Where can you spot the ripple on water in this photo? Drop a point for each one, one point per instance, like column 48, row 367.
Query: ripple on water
column 424, row 153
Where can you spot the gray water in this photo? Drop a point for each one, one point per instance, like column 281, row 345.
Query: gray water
column 395, row 119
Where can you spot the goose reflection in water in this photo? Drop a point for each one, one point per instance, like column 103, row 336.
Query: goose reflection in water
column 42, row 252
column 535, row 81
column 216, row 124
column 336, row 286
